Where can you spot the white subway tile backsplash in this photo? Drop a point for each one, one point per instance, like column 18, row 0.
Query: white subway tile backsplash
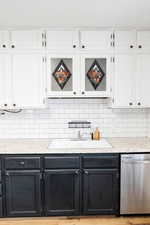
column 53, row 121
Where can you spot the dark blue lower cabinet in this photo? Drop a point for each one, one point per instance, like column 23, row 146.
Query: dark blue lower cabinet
column 100, row 191
column 23, row 193
column 62, row 188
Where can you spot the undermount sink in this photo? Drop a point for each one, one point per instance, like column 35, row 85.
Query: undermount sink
column 78, row 143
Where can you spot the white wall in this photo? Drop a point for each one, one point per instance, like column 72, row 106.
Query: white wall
column 53, row 122
column 75, row 13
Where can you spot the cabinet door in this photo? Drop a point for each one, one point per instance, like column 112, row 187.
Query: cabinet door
column 100, row 191
column 143, row 41
column 124, row 82
column 62, row 40
column 125, row 41
column 96, row 71
column 62, row 75
column 95, row 40
column 142, row 81
column 62, row 192
column 23, row 193
column 28, row 81
column 26, row 39
column 4, row 39
column 5, row 81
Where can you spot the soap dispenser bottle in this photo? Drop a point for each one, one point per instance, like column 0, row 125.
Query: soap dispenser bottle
column 96, row 134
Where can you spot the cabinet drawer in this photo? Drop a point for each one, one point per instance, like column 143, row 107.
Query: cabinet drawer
column 106, row 161
column 22, row 163
column 61, row 162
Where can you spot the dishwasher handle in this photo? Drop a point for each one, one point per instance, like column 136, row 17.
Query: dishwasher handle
column 136, row 161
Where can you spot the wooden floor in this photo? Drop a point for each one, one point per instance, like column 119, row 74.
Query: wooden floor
column 77, row 221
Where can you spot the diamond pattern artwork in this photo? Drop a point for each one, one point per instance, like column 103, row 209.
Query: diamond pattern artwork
column 95, row 74
column 61, row 74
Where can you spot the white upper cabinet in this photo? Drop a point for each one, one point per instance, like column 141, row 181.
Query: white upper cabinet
column 28, row 81
column 62, row 75
column 124, row 81
column 4, row 40
column 27, row 39
column 96, row 40
column 62, row 40
column 95, row 74
column 5, row 81
column 143, row 80
column 125, row 41
column 143, row 41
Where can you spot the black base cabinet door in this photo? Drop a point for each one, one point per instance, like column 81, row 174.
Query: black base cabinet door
column 62, row 192
column 100, row 191
column 23, row 194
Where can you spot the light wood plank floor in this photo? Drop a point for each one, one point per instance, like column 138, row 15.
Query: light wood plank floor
column 77, row 221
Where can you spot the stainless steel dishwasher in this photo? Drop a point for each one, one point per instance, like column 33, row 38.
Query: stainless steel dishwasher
column 135, row 184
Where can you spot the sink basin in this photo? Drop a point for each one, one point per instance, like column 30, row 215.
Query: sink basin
column 76, row 143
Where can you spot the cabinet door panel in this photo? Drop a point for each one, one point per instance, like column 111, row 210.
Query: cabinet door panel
column 125, row 41
column 143, row 81
column 62, row 75
column 61, row 192
column 4, row 39
column 100, row 194
column 28, row 80
column 26, row 39
column 58, row 40
column 95, row 40
column 143, row 41
column 124, row 82
column 23, row 194
column 5, row 80
column 96, row 71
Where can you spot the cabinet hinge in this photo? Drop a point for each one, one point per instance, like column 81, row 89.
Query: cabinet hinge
column 113, row 59
column 113, row 36
column 45, row 43
column 113, row 100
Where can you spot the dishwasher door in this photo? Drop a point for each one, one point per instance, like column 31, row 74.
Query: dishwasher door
column 135, row 184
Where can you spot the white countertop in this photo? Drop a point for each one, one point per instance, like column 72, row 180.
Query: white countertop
column 40, row 146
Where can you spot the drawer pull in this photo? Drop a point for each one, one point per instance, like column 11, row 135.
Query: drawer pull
column 77, row 172
column 22, row 163
column 86, row 172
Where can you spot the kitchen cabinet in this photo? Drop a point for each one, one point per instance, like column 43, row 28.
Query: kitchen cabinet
column 22, row 40
column 5, row 81
column 22, row 80
column 131, row 83
column 91, row 84
column 79, row 70
column 62, row 75
column 27, row 39
column 142, row 81
column 100, row 184
column 96, row 40
column 100, row 191
column 62, row 192
column 23, row 193
column 125, row 41
column 143, row 41
column 124, row 80
column 28, row 81
column 4, row 39
column 60, row 184
column 58, row 40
